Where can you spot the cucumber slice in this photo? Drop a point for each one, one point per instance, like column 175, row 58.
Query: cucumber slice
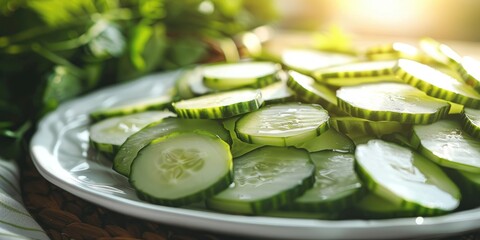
column 441, row 53
column 329, row 140
column 471, row 122
column 142, row 105
column 308, row 60
column 356, row 73
column 195, row 83
column 336, row 184
column 227, row 76
column 393, row 51
column 277, row 93
column 406, row 178
column 182, row 84
column 391, row 102
column 127, row 152
column 265, row 179
column 311, row 92
column 107, row 135
column 469, row 184
column 282, row 124
column 445, row 143
column 436, row 83
column 373, row 206
column 219, row 105
column 470, row 72
column 182, row 168
column 353, row 125
column 238, row 147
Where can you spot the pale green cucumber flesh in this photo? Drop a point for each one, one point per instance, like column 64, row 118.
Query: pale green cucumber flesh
column 391, row 102
column 336, row 183
column 436, row 83
column 265, row 179
column 393, row 51
column 277, row 93
column 110, row 133
column 282, row 124
column 406, row 178
column 128, row 150
column 182, row 168
column 227, row 76
column 445, row 143
column 220, row 105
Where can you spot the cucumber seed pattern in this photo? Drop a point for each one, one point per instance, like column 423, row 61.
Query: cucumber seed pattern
column 178, row 164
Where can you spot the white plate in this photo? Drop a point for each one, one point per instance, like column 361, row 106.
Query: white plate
column 60, row 152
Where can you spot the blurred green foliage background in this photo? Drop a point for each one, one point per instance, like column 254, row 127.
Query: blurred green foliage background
column 54, row 50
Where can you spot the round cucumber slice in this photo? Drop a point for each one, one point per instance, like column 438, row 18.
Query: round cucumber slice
column 445, row 143
column 391, row 102
column 129, row 149
column 356, row 73
column 107, row 135
column 436, row 83
column 393, row 51
column 265, row 179
column 282, row 124
column 182, row 168
column 470, row 72
column 308, row 60
column 310, row 91
column 220, row 105
column 277, row 93
column 406, row 178
column 238, row 147
column 471, row 122
column 142, row 105
column 336, row 184
column 227, row 76
column 441, row 53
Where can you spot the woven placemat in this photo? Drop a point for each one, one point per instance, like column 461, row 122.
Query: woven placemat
column 65, row 216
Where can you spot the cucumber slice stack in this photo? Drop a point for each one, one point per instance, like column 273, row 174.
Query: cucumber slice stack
column 304, row 141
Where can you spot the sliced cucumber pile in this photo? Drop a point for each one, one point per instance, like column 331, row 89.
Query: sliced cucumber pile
column 334, row 138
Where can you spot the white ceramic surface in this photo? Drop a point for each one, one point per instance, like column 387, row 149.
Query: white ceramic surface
column 61, row 154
